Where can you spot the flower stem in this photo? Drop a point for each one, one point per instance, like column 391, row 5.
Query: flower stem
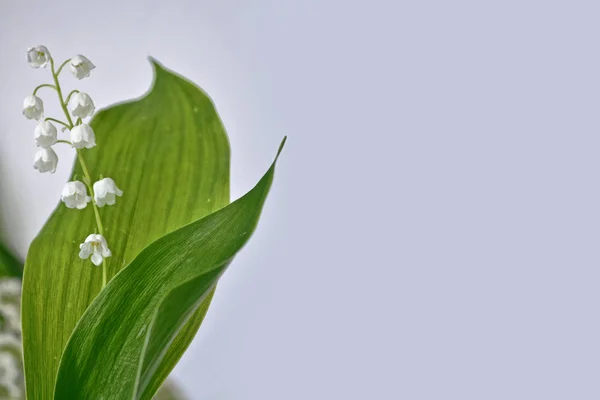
column 104, row 274
column 71, row 94
column 59, row 122
column 86, row 173
column 61, row 66
column 60, row 96
column 42, row 86
column 88, row 182
column 65, row 142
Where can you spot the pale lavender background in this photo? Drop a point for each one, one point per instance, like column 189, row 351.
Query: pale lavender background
column 434, row 229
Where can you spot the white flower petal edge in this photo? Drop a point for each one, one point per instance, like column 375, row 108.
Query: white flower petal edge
column 83, row 136
column 74, row 195
column 95, row 245
column 80, row 66
column 45, row 160
column 33, row 107
column 105, row 191
column 38, row 56
column 81, row 105
column 45, row 134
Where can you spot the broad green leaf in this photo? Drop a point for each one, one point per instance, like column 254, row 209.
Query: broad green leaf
column 124, row 334
column 169, row 153
column 9, row 265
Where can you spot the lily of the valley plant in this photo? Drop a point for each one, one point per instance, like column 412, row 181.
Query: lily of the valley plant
column 75, row 193
column 113, row 294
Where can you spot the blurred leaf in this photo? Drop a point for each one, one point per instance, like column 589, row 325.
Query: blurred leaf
column 9, row 265
column 121, row 339
column 169, row 153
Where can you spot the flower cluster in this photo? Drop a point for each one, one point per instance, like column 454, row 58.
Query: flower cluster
column 77, row 107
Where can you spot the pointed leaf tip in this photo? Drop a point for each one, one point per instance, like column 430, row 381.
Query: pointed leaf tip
column 155, row 62
column 159, row 69
column 169, row 279
column 281, row 147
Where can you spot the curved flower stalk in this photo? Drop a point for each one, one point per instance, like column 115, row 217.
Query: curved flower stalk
column 76, row 194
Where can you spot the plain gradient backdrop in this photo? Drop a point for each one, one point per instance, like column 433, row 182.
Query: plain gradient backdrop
column 433, row 228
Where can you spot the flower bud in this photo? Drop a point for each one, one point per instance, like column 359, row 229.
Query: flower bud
column 38, row 56
column 95, row 245
column 105, row 191
column 74, row 195
column 45, row 160
column 83, row 136
column 80, row 66
column 33, row 107
column 81, row 105
column 45, row 134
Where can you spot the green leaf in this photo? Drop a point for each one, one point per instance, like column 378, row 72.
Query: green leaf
column 177, row 349
column 9, row 265
column 169, row 153
column 124, row 334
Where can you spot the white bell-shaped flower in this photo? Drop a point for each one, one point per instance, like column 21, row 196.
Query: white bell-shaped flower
column 95, row 245
column 81, row 105
column 83, row 136
column 105, row 191
column 33, row 107
column 45, row 134
column 38, row 56
column 80, row 66
column 74, row 195
column 45, row 160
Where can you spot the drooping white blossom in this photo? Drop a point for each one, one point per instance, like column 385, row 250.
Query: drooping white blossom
column 9, row 374
column 45, row 160
column 11, row 318
column 81, row 105
column 9, row 339
column 74, row 195
column 33, row 107
column 80, row 66
column 105, row 191
column 83, row 136
column 45, row 134
column 9, row 287
column 11, row 384
column 38, row 56
column 95, row 245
